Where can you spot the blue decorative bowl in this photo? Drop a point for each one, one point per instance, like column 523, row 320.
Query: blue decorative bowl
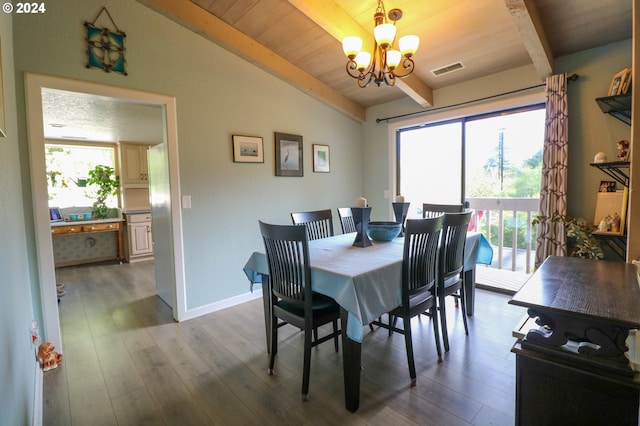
column 383, row 231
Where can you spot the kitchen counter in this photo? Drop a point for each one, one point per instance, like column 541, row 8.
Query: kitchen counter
column 87, row 222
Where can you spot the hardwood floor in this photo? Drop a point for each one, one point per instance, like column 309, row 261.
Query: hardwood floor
column 126, row 362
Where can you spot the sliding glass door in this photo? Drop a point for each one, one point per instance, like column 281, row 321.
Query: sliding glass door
column 430, row 165
column 494, row 155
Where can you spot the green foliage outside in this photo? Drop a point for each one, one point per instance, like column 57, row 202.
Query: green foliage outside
column 501, row 179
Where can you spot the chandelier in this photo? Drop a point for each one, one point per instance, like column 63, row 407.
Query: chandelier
column 388, row 61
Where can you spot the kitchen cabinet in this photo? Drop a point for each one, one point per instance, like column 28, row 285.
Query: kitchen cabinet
column 133, row 165
column 139, row 236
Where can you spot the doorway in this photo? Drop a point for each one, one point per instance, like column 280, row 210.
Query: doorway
column 35, row 84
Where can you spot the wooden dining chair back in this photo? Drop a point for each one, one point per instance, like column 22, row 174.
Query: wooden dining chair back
column 291, row 291
column 433, row 210
column 346, row 220
column 319, row 223
column 419, row 274
column 450, row 268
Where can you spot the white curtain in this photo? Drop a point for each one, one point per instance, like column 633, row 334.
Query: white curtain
column 553, row 189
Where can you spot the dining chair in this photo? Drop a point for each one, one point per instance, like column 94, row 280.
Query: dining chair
column 346, row 220
column 419, row 273
column 291, row 292
column 450, row 280
column 433, row 210
column 319, row 223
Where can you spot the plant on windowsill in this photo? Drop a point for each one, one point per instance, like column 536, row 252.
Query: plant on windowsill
column 580, row 242
column 106, row 180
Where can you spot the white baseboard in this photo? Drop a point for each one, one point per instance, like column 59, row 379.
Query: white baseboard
column 222, row 304
column 37, row 396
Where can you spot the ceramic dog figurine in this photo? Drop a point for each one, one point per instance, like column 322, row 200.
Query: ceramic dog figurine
column 48, row 357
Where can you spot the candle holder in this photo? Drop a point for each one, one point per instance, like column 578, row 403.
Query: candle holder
column 400, row 211
column 361, row 217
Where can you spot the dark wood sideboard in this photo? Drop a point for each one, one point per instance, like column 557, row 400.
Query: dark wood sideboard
column 571, row 366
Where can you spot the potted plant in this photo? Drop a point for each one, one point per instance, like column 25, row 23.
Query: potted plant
column 106, row 180
column 580, row 242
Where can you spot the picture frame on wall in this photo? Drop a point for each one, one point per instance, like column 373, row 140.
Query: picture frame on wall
column 321, row 161
column 288, row 154
column 247, row 149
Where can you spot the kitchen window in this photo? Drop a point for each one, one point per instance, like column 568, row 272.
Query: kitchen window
column 68, row 168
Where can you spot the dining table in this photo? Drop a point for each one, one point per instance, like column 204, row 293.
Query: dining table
column 365, row 282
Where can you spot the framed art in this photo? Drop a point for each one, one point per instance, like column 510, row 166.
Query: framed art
column 611, row 212
column 617, row 83
column 607, row 186
column 626, row 82
column 247, row 149
column 321, row 159
column 288, row 154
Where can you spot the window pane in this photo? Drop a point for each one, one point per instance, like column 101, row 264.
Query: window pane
column 504, row 155
column 429, row 160
column 68, row 169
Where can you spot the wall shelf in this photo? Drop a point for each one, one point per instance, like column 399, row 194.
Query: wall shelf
column 616, row 170
column 618, row 106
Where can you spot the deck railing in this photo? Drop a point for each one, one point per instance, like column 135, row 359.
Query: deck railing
column 494, row 216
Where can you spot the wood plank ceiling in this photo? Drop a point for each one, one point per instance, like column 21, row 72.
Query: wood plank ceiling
column 300, row 40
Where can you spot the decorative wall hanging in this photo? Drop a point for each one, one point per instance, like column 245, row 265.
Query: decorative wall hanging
column 288, row 155
column 105, row 47
column 247, row 149
column 321, row 159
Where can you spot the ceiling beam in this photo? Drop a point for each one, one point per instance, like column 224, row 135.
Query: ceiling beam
column 202, row 22
column 336, row 22
column 525, row 16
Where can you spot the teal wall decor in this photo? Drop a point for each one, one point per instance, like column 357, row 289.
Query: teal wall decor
column 105, row 47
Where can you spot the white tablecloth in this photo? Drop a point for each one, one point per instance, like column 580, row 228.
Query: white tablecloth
column 364, row 281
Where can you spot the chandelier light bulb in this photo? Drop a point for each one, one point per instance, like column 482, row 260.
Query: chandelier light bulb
column 384, row 34
column 408, row 45
column 351, row 46
column 393, row 58
column 363, row 59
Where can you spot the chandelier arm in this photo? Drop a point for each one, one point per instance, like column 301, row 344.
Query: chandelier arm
column 365, row 80
column 352, row 69
column 389, row 79
column 407, row 68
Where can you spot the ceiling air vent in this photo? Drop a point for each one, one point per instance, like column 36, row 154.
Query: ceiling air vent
column 447, row 69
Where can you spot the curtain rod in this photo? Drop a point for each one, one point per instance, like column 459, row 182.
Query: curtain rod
column 572, row 77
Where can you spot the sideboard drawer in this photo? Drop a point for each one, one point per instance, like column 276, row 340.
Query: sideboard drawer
column 61, row 230
column 98, row 227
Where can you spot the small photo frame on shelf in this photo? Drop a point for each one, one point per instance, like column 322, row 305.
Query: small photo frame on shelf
column 247, row 149
column 321, row 159
column 617, row 83
column 611, row 212
column 288, row 154
column 626, row 82
column 607, row 186
column 55, row 215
